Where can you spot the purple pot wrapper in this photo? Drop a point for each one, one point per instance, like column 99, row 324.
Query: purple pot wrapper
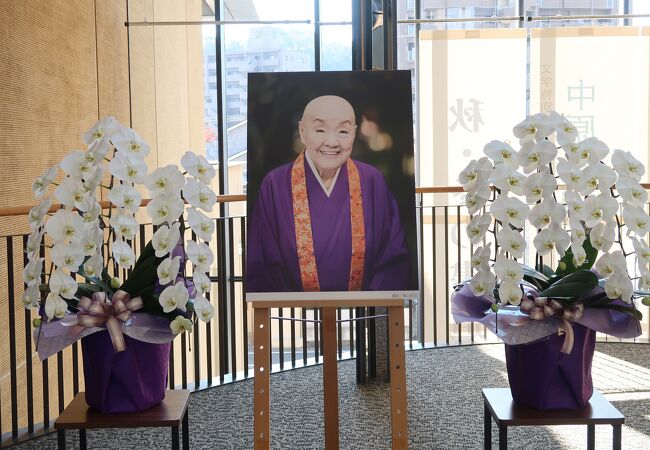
column 542, row 377
column 130, row 381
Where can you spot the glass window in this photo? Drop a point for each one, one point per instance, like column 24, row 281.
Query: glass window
column 336, row 47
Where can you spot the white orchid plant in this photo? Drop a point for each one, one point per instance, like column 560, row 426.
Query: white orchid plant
column 508, row 189
column 95, row 244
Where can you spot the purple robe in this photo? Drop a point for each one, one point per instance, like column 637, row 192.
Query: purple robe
column 272, row 262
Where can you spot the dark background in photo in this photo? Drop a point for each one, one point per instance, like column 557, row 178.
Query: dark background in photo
column 384, row 116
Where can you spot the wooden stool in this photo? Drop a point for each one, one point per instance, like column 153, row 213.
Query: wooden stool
column 498, row 404
column 169, row 413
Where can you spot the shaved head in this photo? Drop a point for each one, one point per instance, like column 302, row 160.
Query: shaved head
column 327, row 130
column 329, row 105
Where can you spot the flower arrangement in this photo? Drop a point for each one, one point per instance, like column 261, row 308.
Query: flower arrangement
column 150, row 298
column 513, row 193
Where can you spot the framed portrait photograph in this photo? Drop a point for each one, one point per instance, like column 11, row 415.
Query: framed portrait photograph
column 331, row 188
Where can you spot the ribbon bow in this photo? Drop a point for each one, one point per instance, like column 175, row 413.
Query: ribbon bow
column 99, row 311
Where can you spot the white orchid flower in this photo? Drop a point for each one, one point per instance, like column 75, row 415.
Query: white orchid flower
column 165, row 208
column 55, row 306
column 611, row 263
column 65, row 225
column 476, row 174
column 129, row 141
column 198, row 167
column 619, row 286
column 94, row 210
column 102, row 130
column 636, row 220
column 34, row 241
column 31, row 296
column 124, row 224
column 123, row 254
column 510, row 210
column 477, row 227
column 631, row 191
column 578, row 232
column 507, row 179
column 93, row 239
column 572, row 150
column 125, row 196
column 510, row 292
column 602, row 236
column 597, row 176
column 200, row 255
column 32, row 271
column 501, row 153
column 642, row 251
column 546, row 212
column 592, row 151
column 538, row 185
column 625, row 164
column 482, row 283
column 508, row 269
column 174, row 297
column 481, row 257
column 94, row 266
column 570, row 174
column 512, row 242
column 644, row 281
column 168, row 270
column 579, row 254
column 536, row 156
column 476, row 199
column 127, row 167
column 201, row 224
column 575, row 204
column 199, row 195
column 76, row 165
column 535, row 127
column 553, row 237
column 72, row 193
column 201, row 281
column 593, row 212
column 95, row 178
column 167, row 179
column 180, row 324
column 566, row 132
column 203, row 308
column 68, row 256
column 63, row 284
column 165, row 239
column 41, row 183
column 36, row 215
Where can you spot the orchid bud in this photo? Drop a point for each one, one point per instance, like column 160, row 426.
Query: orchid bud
column 494, row 307
column 561, row 266
column 115, row 283
column 36, row 322
column 646, row 301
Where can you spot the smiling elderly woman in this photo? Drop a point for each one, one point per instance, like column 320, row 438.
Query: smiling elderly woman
column 326, row 222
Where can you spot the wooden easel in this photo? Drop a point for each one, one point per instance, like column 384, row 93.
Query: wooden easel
column 328, row 301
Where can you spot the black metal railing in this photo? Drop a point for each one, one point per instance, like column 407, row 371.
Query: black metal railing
column 34, row 392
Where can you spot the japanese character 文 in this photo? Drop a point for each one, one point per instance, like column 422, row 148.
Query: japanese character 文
column 469, row 114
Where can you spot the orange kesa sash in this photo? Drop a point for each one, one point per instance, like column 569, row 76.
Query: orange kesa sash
column 304, row 237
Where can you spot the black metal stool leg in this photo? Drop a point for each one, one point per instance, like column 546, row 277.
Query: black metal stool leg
column 591, row 437
column 617, row 437
column 60, row 437
column 487, row 428
column 82, row 439
column 503, row 437
column 175, row 438
column 186, row 431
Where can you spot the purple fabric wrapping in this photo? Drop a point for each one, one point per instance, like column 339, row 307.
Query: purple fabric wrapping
column 131, row 381
column 542, row 377
column 515, row 327
column 272, row 262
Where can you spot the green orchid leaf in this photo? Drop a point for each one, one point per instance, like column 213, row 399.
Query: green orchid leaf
column 547, row 271
column 534, row 283
column 572, row 285
column 534, row 273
